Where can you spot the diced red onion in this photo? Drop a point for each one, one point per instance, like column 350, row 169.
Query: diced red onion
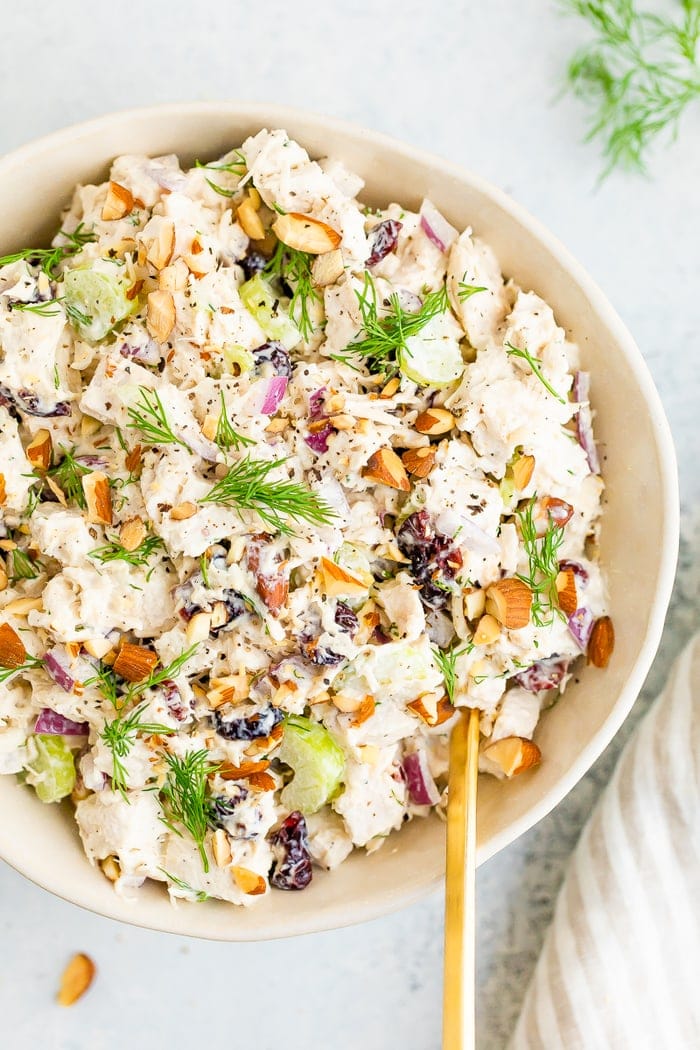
column 167, row 178
column 58, row 725
column 316, row 401
column 147, row 352
column 436, row 227
column 422, row 789
column 584, row 420
column 451, row 523
column 544, row 674
column 577, row 568
column 318, row 441
column 276, row 387
column 409, row 302
column 94, row 462
column 57, row 671
column 581, row 624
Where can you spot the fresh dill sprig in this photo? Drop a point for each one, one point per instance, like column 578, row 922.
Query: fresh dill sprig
column 237, row 167
column 162, row 674
column 106, row 681
column 148, row 416
column 446, row 659
column 51, row 258
column 204, row 568
column 199, row 895
column 294, row 267
column 185, row 796
column 68, row 475
column 23, row 567
column 226, row 436
column 48, row 308
column 246, row 487
column 30, row 663
column 466, row 291
column 543, row 558
column 385, row 337
column 535, row 365
column 637, row 75
column 119, row 736
column 113, row 550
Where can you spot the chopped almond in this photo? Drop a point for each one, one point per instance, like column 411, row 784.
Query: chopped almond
column 57, row 491
column 336, row 581
column 552, row 510
column 76, row 979
column 132, row 533
column 39, row 450
column 509, row 600
column 513, row 754
column 306, row 234
column 12, row 651
column 173, row 278
column 3, row 490
column 272, row 584
column 445, row 710
column 487, row 631
column 98, row 498
column 89, row 426
column 118, row 202
column 390, row 388
column 248, row 881
column 133, row 459
column 23, row 606
column 159, row 247
column 426, row 707
column 602, row 642
column 566, row 591
column 434, row 421
column 110, row 868
column 97, row 647
column 228, row 771
column 419, row 461
column 184, row 511
column 385, row 468
column 221, row 848
column 363, row 712
column 474, row 603
column 3, row 578
column 346, row 702
column 198, row 627
column 327, row 268
column 522, row 471
column 135, row 662
column 134, row 290
column 160, row 315
column 247, row 215
column 262, row 782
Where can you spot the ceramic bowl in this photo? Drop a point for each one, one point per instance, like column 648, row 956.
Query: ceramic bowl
column 639, row 535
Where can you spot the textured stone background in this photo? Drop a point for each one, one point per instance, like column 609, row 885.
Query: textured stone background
column 477, row 84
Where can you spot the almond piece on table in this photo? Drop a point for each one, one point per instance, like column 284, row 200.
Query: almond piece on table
column 248, row 881
column 306, row 234
column 160, row 315
column 509, row 600
column 12, row 651
column 183, row 511
column 98, row 497
column 76, row 979
column 566, row 591
column 385, row 468
column 419, row 461
column 247, row 215
column 132, row 533
column 39, row 450
column 135, row 662
column 336, row 581
column 513, row 754
column 487, row 630
column 118, row 202
column 327, row 268
column 522, row 471
column 602, row 642
column 434, row 421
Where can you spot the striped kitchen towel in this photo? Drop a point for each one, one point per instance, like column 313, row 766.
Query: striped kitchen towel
column 620, row 966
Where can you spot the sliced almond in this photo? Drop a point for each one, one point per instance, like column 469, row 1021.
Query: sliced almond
column 228, row 771
column 336, row 581
column 262, row 782
column 566, row 591
column 98, row 497
column 390, row 388
column 12, row 651
column 522, row 471
column 118, row 202
column 76, row 979
column 342, row 421
column 23, row 606
column 419, row 461
column 174, row 278
column 132, row 533
column 160, row 245
column 385, row 468
column 602, row 642
column 230, row 689
column 184, row 511
column 57, row 491
column 110, row 868
column 434, row 421
column 39, row 450
column 346, row 703
column 474, row 603
column 445, row 710
column 132, row 460
column 247, row 215
column 198, row 627
column 248, row 881
column 160, row 315
column 221, row 848
column 426, row 707
column 488, row 630
column 327, row 268
column 513, row 754
column 135, row 662
column 306, row 234
column 133, row 291
column 510, row 601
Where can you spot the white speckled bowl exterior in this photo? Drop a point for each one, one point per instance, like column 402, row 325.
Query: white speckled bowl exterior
column 639, row 538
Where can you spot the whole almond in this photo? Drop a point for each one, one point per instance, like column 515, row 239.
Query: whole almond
column 510, row 600
column 247, row 215
column 76, row 979
column 513, row 754
column 12, row 651
column 522, row 471
column 419, row 461
column 385, row 468
column 566, row 591
column 98, row 498
column 118, row 202
column 306, row 234
column 135, row 662
column 132, row 533
column 160, row 315
column 602, row 642
column 434, row 421
column 39, row 450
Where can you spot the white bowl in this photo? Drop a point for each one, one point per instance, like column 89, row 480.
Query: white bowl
column 639, row 537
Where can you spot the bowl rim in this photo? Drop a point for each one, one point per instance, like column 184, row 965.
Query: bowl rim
column 274, row 115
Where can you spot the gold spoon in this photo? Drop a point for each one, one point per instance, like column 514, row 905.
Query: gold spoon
column 459, row 995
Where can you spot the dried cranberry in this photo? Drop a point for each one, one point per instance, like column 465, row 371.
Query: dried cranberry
column 345, row 618
column 252, row 263
column 545, row 674
column 319, row 654
column 274, row 354
column 291, row 868
column 173, row 700
column 30, row 403
column 224, row 806
column 577, row 568
column 432, row 555
column 252, row 728
column 235, row 607
column 385, row 237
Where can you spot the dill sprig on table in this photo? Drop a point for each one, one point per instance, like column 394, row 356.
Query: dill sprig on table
column 637, row 75
column 543, row 558
column 245, row 487
column 119, row 736
column 149, row 417
column 51, row 258
column 536, row 366
column 185, row 796
column 294, row 267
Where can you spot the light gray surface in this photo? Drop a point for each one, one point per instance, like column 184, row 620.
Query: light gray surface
column 477, row 84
